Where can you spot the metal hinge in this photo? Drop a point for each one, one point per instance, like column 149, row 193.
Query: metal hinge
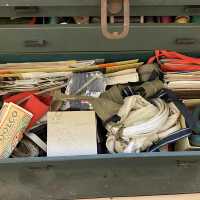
column 115, row 6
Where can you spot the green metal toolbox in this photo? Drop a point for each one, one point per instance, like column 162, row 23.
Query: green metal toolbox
column 106, row 175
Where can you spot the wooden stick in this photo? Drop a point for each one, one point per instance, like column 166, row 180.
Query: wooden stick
column 7, row 72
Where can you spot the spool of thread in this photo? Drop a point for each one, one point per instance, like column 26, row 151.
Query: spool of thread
column 182, row 19
column 142, row 19
column 149, row 19
column 96, row 20
column 53, row 20
column 158, row 19
column 196, row 19
column 81, row 19
column 119, row 19
column 135, row 19
column 166, row 19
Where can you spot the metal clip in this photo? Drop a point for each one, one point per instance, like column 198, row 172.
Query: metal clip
column 115, row 9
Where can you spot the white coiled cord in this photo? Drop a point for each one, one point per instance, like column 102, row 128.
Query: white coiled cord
column 142, row 124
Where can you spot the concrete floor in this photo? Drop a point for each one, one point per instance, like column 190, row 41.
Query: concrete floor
column 163, row 197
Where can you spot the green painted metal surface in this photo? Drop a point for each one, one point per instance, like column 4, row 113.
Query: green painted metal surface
column 108, row 175
column 93, row 2
column 88, row 38
column 42, row 57
column 99, row 176
column 92, row 7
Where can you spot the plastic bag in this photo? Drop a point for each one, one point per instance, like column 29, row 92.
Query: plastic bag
column 84, row 84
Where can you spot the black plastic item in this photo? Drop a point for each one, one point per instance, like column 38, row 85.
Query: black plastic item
column 128, row 91
column 41, row 131
column 78, row 105
column 146, row 90
column 101, row 135
column 1, row 101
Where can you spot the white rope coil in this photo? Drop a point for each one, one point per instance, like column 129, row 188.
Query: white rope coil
column 142, row 123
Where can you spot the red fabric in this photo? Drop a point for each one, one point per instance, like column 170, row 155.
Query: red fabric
column 38, row 106
column 179, row 61
column 46, row 99
column 17, row 97
column 33, row 21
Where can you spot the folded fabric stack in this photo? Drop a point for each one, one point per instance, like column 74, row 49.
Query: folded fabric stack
column 185, row 84
column 181, row 73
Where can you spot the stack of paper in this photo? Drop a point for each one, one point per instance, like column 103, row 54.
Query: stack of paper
column 13, row 86
column 183, row 83
column 39, row 76
column 121, row 77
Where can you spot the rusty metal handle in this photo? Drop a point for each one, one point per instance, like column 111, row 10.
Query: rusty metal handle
column 104, row 24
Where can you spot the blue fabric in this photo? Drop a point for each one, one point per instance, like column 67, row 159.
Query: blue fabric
column 171, row 139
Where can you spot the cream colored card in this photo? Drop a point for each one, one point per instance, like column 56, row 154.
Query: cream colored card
column 71, row 133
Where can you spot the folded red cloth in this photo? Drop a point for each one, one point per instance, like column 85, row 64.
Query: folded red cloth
column 175, row 61
column 38, row 106
column 15, row 98
column 46, row 99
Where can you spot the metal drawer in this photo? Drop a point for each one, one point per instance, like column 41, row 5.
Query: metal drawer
column 99, row 176
column 22, row 8
column 88, row 38
column 74, row 38
column 107, row 175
